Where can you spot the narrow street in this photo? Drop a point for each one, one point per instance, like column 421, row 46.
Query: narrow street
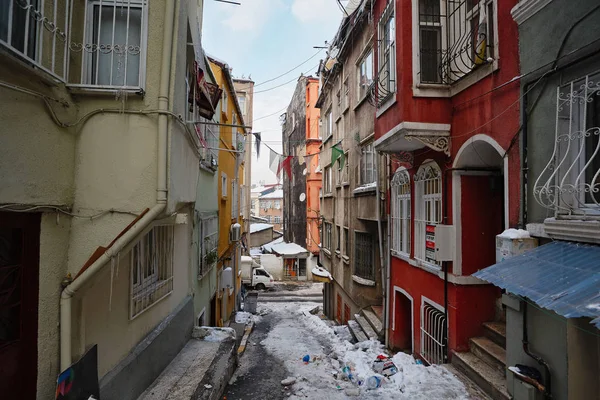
column 286, row 331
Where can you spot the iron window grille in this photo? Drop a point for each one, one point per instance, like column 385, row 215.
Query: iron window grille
column 364, row 257
column 386, row 74
column 400, row 212
column 428, row 211
column 209, row 240
column 455, row 37
column 99, row 43
column 433, row 336
column 570, row 183
column 151, row 269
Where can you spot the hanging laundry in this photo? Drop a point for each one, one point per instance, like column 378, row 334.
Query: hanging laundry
column 337, row 152
column 274, row 162
column 258, row 139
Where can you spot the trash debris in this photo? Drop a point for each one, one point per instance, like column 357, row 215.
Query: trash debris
column 290, row 380
column 385, row 366
column 374, row 382
column 306, row 359
column 419, row 362
column 352, row 392
column 207, row 386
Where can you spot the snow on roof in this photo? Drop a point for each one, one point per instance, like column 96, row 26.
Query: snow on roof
column 289, row 249
column 514, row 234
column 277, row 194
column 259, row 227
column 268, row 246
column 322, row 272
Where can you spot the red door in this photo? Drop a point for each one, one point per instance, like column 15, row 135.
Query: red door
column 19, row 278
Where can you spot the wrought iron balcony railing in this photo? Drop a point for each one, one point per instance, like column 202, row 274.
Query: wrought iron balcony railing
column 570, row 183
column 383, row 85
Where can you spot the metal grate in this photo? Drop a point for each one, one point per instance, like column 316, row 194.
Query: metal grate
column 433, row 324
column 364, row 256
column 570, row 182
column 151, row 269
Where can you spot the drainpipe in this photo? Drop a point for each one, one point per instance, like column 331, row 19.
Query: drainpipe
column 161, row 197
column 540, row 360
column 386, row 318
column 380, row 234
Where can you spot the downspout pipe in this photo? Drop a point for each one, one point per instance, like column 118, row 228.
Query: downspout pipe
column 540, row 360
column 161, row 197
column 382, row 257
column 386, row 318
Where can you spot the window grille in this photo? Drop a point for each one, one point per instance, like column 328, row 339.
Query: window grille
column 570, row 182
column 368, row 165
column 207, row 248
column 455, row 37
column 365, row 74
column 364, row 257
column 386, row 75
column 400, row 212
column 151, row 269
column 433, row 337
column 428, row 211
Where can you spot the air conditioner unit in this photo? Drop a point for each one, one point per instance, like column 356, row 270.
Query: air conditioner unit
column 235, row 233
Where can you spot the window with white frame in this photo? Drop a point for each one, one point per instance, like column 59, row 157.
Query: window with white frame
column 368, row 165
column 428, row 211
column 277, row 204
column 151, row 269
column 117, row 33
column 570, row 182
column 224, row 187
column 241, row 97
column 327, row 235
column 386, row 76
column 327, row 180
column 277, row 219
column 400, row 212
column 328, row 125
column 234, row 199
column 364, row 256
column 365, row 74
column 209, row 240
column 455, row 37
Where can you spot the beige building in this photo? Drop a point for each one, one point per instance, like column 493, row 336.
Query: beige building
column 99, row 169
column 271, row 208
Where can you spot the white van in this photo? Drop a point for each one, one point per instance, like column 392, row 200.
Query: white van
column 254, row 275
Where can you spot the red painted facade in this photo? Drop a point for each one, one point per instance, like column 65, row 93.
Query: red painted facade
column 488, row 108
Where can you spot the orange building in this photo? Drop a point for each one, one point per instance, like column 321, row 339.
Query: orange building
column 313, row 175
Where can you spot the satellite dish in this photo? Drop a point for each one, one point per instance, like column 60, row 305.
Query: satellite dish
column 304, row 172
column 302, row 197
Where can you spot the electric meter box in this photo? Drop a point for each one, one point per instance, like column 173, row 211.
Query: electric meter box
column 508, row 247
column 443, row 242
column 227, row 278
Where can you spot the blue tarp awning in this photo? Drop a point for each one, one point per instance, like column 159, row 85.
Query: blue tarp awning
column 561, row 276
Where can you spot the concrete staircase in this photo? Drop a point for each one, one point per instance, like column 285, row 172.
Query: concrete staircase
column 485, row 363
column 367, row 325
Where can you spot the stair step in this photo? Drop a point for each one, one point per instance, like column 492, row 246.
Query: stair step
column 489, row 379
column 496, row 331
column 366, row 327
column 373, row 320
column 356, row 331
column 474, row 392
column 378, row 310
column 489, row 352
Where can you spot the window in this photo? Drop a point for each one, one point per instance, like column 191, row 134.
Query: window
column 327, row 183
column 242, row 103
column 386, row 78
column 223, row 184
column 342, row 173
column 277, row 204
column 268, row 218
column 454, row 37
column 338, row 239
column 428, row 211
column 368, row 165
column 433, row 339
column 151, row 269
column 327, row 235
column 234, row 131
column 277, row 219
column 328, row 125
column 345, row 101
column 339, row 100
column 207, row 248
column 572, row 188
column 364, row 256
column 224, row 102
column 116, row 30
column 400, row 212
column 365, row 74
column 234, row 199
column 346, row 242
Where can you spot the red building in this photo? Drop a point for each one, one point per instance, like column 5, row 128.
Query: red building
column 447, row 121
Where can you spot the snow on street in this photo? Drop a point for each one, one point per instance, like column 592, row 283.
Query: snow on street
column 287, row 332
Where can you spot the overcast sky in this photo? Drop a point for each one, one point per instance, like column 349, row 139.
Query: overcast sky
column 263, row 39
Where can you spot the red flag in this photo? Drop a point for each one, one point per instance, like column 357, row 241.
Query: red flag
column 287, row 166
column 200, row 136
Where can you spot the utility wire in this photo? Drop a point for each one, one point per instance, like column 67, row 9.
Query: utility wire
column 285, row 83
column 290, row 70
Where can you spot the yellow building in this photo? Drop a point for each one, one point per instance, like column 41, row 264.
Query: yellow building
column 231, row 179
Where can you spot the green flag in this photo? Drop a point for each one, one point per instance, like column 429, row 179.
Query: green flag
column 337, row 152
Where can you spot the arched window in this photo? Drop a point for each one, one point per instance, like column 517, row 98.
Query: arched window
column 428, row 210
column 400, row 212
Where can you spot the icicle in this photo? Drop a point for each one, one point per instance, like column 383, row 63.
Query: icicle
column 112, row 275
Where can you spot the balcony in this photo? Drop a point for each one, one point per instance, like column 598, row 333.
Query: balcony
column 410, row 136
column 98, row 44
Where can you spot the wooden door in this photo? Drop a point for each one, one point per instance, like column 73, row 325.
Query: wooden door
column 19, row 281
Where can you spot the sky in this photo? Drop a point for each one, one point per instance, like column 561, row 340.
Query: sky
column 263, row 39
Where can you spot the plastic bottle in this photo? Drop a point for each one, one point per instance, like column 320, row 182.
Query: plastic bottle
column 373, row 382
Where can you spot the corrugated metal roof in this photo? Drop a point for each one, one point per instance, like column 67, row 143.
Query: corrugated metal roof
column 561, row 276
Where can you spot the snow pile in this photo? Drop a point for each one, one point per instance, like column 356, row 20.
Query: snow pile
column 243, row 317
column 259, row 227
column 300, row 334
column 515, row 234
column 212, row 334
column 322, row 272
